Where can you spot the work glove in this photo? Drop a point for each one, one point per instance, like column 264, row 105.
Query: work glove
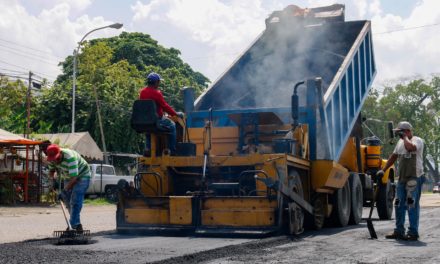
column 180, row 114
column 62, row 196
column 380, row 173
column 400, row 134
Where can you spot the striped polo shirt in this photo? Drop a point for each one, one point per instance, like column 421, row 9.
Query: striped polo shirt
column 72, row 165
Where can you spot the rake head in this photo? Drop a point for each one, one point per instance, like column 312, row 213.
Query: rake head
column 71, row 237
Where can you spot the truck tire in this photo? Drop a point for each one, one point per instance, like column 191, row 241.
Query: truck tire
column 341, row 206
column 384, row 201
column 357, row 197
column 295, row 212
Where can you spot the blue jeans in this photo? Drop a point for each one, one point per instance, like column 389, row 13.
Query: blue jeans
column 74, row 200
column 166, row 125
column 413, row 212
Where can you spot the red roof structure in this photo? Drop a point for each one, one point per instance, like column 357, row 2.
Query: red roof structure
column 17, row 147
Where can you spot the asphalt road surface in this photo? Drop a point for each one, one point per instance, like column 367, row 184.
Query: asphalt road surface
column 329, row 245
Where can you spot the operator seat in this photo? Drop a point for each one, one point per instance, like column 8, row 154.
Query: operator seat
column 144, row 118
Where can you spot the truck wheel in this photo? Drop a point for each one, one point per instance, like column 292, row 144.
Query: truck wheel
column 356, row 199
column 111, row 194
column 296, row 213
column 341, row 206
column 384, row 201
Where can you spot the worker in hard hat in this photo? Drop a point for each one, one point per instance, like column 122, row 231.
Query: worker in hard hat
column 409, row 154
column 72, row 166
column 152, row 92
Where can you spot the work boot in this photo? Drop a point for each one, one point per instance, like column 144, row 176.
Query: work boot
column 78, row 228
column 395, row 235
column 411, row 237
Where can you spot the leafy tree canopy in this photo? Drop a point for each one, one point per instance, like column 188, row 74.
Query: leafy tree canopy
column 12, row 105
column 115, row 68
column 417, row 101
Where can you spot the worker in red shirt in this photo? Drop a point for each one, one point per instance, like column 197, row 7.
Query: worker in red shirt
column 151, row 92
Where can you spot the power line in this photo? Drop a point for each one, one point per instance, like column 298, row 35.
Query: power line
column 6, row 71
column 13, row 76
column 379, row 33
column 10, row 64
column 215, row 55
column 39, row 79
column 15, row 43
column 14, row 65
column 408, row 28
column 19, row 72
column 46, row 57
column 38, row 75
column 31, row 57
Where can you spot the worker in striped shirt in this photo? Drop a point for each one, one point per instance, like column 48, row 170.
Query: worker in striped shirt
column 76, row 171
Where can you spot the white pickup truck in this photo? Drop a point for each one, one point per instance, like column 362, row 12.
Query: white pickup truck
column 105, row 182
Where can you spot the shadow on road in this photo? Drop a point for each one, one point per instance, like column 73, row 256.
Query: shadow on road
column 418, row 243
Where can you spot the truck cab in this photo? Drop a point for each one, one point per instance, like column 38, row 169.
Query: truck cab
column 104, row 181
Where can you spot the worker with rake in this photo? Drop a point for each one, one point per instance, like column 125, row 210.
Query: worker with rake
column 75, row 169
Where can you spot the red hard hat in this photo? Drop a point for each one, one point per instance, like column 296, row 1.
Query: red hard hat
column 53, row 152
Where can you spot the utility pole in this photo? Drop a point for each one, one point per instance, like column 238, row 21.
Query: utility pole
column 75, row 52
column 28, row 106
column 98, row 109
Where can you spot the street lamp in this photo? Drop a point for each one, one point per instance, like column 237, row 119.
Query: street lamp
column 390, row 127
column 75, row 54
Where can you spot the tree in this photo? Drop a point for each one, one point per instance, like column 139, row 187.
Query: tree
column 12, row 105
column 416, row 101
column 116, row 69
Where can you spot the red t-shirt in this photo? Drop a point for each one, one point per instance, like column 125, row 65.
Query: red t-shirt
column 150, row 93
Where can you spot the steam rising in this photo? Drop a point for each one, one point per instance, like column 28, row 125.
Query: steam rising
column 290, row 51
column 285, row 53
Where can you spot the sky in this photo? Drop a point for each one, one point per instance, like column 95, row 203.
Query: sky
column 35, row 35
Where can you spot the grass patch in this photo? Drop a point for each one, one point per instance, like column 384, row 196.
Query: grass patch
column 428, row 192
column 97, row 201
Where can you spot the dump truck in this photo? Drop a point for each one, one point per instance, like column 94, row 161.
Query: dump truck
column 274, row 145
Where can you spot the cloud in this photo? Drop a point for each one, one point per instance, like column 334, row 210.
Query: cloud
column 402, row 53
column 212, row 33
column 407, row 52
column 75, row 5
column 50, row 34
column 226, row 28
column 143, row 11
column 375, row 7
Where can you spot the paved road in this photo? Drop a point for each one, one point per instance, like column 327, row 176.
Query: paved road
column 330, row 245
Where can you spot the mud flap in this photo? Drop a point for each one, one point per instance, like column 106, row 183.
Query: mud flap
column 370, row 226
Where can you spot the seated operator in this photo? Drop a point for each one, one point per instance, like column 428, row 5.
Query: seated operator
column 151, row 92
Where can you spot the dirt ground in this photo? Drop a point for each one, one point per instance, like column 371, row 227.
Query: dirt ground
column 31, row 222
column 330, row 245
